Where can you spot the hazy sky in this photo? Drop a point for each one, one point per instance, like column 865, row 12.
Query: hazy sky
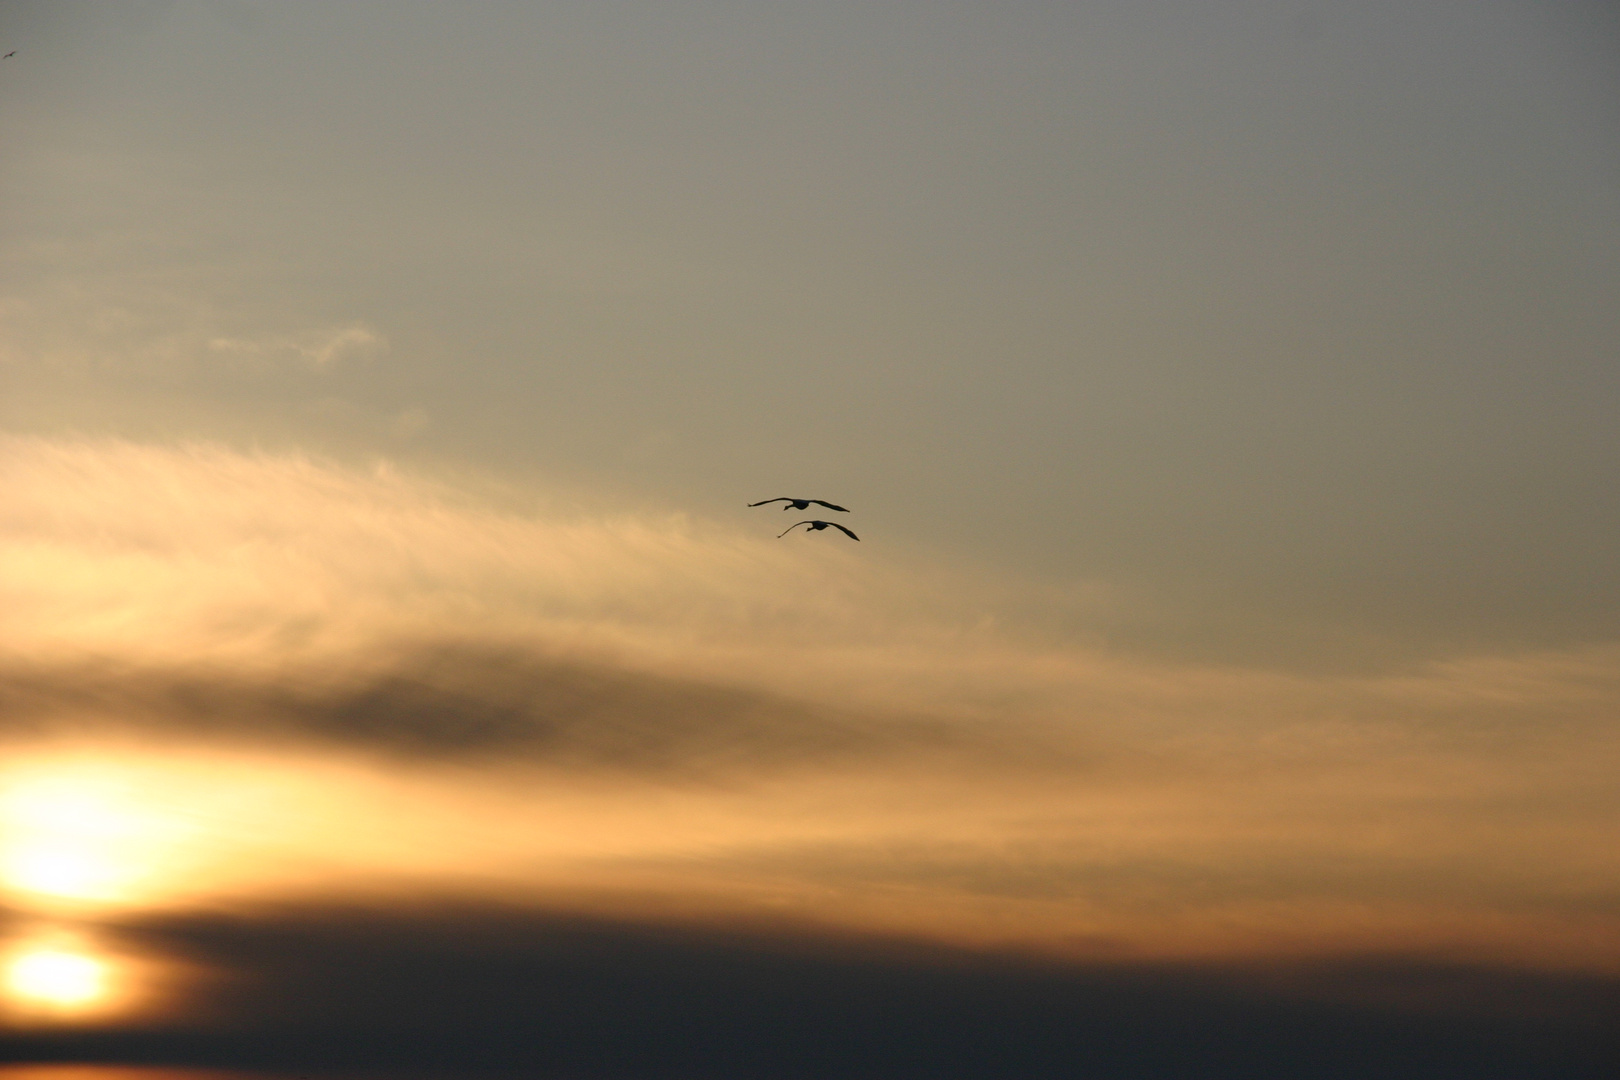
column 1225, row 396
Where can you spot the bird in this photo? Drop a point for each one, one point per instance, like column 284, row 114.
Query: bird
column 9, row 55
column 804, row 504
column 817, row 526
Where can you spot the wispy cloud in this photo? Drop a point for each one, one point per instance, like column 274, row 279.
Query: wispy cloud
column 317, row 350
column 151, row 327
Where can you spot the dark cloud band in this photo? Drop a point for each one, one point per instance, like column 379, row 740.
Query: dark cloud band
column 489, row 990
column 465, row 702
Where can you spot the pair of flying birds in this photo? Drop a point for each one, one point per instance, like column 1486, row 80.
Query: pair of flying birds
column 804, row 504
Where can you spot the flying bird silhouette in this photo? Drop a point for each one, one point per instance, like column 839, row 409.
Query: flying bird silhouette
column 9, row 55
column 817, row 526
column 803, row 504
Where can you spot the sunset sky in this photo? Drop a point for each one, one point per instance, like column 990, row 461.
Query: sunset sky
column 394, row 681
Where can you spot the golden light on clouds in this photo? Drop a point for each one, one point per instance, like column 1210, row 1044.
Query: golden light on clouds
column 74, row 832
column 251, row 679
column 66, row 839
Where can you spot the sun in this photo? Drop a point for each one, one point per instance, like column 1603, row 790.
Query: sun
column 56, row 974
column 56, row 978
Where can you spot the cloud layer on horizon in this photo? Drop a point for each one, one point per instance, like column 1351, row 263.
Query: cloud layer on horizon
column 461, row 989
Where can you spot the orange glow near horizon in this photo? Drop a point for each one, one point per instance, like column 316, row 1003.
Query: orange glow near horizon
column 57, row 975
column 53, row 977
column 171, row 828
column 81, row 835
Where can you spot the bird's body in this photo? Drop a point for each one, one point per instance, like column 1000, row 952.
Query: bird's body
column 817, row 526
column 803, row 504
column 9, row 55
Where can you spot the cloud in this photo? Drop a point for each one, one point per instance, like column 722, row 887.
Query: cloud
column 151, row 327
column 503, row 694
column 475, row 989
column 211, row 552
column 318, row 350
column 474, row 703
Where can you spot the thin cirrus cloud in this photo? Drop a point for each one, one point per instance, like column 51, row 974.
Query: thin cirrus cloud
column 103, row 324
column 318, row 350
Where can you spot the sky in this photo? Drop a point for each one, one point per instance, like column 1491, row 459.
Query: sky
column 395, row 683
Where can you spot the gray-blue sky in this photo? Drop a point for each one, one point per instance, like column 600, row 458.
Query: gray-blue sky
column 1305, row 312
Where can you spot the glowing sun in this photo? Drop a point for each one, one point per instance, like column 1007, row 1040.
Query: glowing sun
column 56, row 978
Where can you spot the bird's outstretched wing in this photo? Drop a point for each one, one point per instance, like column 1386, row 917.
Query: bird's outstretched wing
column 843, row 530
column 784, row 498
column 790, row 528
column 830, row 506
